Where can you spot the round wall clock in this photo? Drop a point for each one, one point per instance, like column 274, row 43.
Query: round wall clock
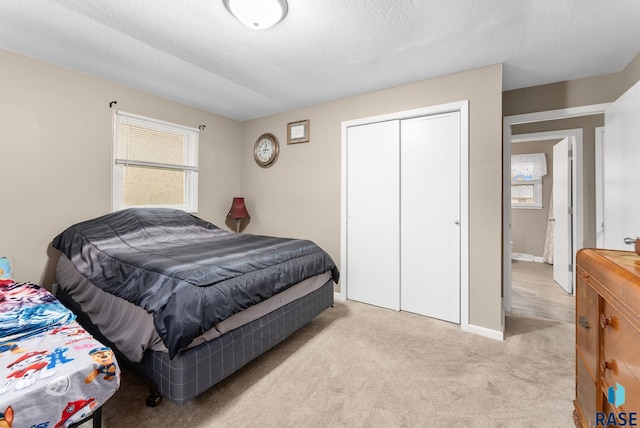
column 266, row 150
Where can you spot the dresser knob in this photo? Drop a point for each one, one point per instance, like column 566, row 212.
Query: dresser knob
column 604, row 321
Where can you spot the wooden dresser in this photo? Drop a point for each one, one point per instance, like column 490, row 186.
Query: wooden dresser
column 607, row 332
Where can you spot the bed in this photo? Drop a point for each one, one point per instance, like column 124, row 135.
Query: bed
column 184, row 302
column 53, row 373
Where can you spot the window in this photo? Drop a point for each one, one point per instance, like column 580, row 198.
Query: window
column 526, row 180
column 155, row 164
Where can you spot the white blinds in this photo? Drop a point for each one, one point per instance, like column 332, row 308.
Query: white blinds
column 147, row 142
column 528, row 167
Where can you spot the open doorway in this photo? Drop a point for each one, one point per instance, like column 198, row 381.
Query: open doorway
column 541, row 230
column 565, row 122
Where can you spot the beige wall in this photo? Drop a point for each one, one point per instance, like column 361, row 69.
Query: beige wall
column 300, row 195
column 588, row 125
column 593, row 90
column 631, row 74
column 529, row 226
column 55, row 134
column 56, row 140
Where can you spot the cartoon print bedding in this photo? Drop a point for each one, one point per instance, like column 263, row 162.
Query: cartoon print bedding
column 52, row 372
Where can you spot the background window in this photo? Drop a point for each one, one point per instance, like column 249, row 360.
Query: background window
column 155, row 164
column 526, row 180
column 526, row 195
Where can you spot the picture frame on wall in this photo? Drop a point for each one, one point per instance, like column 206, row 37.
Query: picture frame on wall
column 298, row 132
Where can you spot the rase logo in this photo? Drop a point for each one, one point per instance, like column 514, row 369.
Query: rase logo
column 615, row 397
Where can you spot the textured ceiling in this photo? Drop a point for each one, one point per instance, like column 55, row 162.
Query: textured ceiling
column 195, row 52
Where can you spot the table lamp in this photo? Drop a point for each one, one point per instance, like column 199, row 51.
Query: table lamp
column 238, row 211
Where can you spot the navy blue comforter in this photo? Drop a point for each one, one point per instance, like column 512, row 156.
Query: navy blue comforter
column 188, row 273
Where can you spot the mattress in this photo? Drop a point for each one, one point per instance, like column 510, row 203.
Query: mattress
column 131, row 329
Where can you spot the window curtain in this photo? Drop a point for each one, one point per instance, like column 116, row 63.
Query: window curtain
column 146, row 142
column 528, row 167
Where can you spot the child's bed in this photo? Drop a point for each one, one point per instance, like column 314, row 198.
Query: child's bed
column 52, row 372
column 184, row 301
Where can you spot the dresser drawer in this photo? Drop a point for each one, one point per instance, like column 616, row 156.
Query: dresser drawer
column 587, row 322
column 620, row 361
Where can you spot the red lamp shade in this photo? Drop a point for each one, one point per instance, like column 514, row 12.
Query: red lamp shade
column 238, row 210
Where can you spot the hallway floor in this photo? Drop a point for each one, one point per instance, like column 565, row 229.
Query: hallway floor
column 535, row 293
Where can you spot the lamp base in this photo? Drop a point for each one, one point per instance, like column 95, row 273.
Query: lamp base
column 238, row 221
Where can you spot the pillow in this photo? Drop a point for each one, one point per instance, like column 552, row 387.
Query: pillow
column 5, row 268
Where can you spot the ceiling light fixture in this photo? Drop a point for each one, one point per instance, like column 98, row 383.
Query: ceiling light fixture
column 257, row 14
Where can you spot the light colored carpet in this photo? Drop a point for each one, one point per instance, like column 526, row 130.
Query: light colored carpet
column 361, row 366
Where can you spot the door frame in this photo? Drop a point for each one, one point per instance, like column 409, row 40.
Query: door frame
column 565, row 164
column 577, row 190
column 599, row 186
column 463, row 108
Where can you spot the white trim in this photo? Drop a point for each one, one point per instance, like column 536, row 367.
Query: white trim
column 170, row 125
column 526, row 258
column 599, row 130
column 508, row 121
column 463, row 108
column 483, row 331
column 522, row 257
column 190, row 168
column 563, row 113
column 339, row 296
column 407, row 114
column 575, row 142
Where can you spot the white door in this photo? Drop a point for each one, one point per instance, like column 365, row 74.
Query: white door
column 621, row 170
column 373, row 205
column 430, row 216
column 562, row 235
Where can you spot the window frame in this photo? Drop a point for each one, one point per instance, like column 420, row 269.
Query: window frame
column 192, row 139
column 536, row 168
column 537, row 194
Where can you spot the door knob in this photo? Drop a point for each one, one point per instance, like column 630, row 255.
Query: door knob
column 631, row 241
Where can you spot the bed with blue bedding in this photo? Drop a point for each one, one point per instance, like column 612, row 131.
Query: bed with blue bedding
column 53, row 373
column 204, row 301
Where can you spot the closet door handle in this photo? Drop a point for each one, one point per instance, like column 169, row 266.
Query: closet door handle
column 629, row 241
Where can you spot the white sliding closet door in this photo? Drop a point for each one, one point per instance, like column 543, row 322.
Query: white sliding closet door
column 373, row 205
column 430, row 216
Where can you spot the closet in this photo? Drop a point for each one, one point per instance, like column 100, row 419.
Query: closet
column 403, row 214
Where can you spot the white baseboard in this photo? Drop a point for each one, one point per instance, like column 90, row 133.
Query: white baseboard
column 522, row 257
column 526, row 257
column 483, row 331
